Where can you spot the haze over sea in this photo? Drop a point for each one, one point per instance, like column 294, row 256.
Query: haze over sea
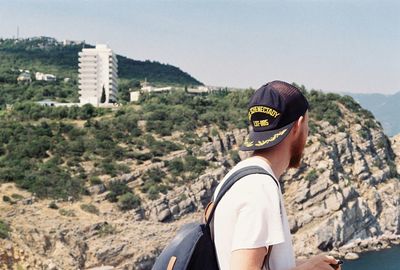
column 387, row 259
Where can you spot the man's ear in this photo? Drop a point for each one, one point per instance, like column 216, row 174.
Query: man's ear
column 298, row 124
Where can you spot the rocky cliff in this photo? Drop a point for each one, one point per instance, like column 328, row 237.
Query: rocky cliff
column 343, row 198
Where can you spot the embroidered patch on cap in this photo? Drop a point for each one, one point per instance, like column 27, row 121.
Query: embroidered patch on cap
column 262, row 116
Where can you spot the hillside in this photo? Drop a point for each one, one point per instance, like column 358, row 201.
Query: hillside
column 111, row 187
column 384, row 107
column 47, row 55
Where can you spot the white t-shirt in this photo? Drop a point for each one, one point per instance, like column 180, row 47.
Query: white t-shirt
column 252, row 215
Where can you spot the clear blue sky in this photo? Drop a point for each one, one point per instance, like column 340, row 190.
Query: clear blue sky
column 330, row 45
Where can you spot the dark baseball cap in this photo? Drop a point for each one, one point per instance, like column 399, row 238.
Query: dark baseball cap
column 273, row 110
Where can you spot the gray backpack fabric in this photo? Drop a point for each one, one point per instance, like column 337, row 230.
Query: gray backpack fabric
column 193, row 247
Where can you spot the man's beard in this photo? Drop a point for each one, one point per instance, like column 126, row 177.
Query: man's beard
column 296, row 153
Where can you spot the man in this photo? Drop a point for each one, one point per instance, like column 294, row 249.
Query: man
column 251, row 221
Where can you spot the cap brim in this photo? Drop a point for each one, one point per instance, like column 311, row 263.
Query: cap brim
column 265, row 139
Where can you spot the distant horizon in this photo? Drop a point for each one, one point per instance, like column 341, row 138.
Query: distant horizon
column 349, row 46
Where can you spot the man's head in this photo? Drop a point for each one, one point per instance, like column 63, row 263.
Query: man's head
column 276, row 110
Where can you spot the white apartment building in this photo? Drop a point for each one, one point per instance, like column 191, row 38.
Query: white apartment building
column 98, row 68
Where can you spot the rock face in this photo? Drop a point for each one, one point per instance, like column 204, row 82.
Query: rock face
column 344, row 197
column 353, row 195
column 191, row 198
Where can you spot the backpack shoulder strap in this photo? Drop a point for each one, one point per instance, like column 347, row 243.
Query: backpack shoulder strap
column 236, row 176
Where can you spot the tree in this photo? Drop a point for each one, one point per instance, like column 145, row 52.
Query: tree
column 103, row 96
column 128, row 201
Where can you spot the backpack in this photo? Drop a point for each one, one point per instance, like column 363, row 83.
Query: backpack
column 193, row 247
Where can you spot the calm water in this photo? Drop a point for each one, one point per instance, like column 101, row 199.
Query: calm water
column 388, row 259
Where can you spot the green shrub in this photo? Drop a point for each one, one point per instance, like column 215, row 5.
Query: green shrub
column 324, row 106
column 214, row 132
column 234, row 154
column 4, row 229
column 350, row 103
column 116, row 188
column 128, row 201
column 175, row 166
column 152, row 183
column 364, row 133
column 194, row 165
column 122, row 168
column 17, row 197
column 53, row 205
column 188, row 164
column 107, row 229
column 155, row 159
column 341, row 128
column 312, row 127
column 312, row 175
column 370, row 124
column 90, row 208
column 53, row 182
column 6, row 198
column 109, row 167
column 142, row 156
column 153, row 190
column 381, row 143
column 95, row 180
column 393, row 169
column 67, row 212
column 191, row 138
column 155, row 175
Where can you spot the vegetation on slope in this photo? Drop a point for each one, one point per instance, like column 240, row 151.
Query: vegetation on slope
column 59, row 151
column 4, row 229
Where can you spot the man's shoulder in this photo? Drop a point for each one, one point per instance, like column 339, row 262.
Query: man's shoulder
column 254, row 184
column 253, row 161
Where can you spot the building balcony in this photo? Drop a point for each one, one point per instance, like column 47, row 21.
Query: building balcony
column 87, row 54
column 114, row 68
column 112, row 73
column 85, row 74
column 113, row 78
column 88, row 57
column 113, row 57
column 92, row 87
column 87, row 61
column 88, row 65
column 87, row 78
column 92, row 83
column 88, row 92
column 87, row 70
column 113, row 83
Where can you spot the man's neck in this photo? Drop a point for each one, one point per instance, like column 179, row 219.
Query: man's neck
column 278, row 159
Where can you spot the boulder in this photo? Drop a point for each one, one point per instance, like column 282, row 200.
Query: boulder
column 351, row 256
column 334, row 201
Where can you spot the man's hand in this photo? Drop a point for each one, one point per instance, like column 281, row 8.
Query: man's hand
column 320, row 262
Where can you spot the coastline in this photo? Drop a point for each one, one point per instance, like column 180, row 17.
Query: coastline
column 355, row 248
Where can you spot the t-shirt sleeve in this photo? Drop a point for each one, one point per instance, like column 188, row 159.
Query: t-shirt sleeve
column 259, row 221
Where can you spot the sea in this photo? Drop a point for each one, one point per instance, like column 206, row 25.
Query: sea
column 387, row 259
